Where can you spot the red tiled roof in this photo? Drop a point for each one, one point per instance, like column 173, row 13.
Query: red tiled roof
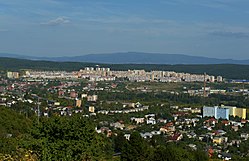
column 175, row 136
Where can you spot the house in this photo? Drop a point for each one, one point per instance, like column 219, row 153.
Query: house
column 57, row 103
column 61, row 92
column 45, row 114
column 210, row 152
column 73, row 94
column 137, row 120
column 155, row 132
column 146, row 135
column 243, row 121
column 117, row 125
column 150, row 115
column 220, row 140
column 3, row 104
column 138, row 104
column 169, row 127
column 127, row 136
column 92, row 98
column 236, row 142
column 217, row 140
column 129, row 105
column 91, row 109
column 93, row 114
column 104, row 130
column 192, row 146
column 83, row 95
column 162, row 120
column 234, row 123
column 211, row 121
column 235, row 128
column 191, row 135
column 225, row 156
column 219, row 132
column 78, row 103
column 176, row 137
column 131, row 127
column 151, row 121
column 244, row 136
column 174, row 107
column 225, row 122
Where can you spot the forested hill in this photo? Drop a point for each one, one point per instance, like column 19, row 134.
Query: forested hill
column 231, row 71
column 133, row 58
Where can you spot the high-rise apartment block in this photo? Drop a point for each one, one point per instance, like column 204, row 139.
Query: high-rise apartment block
column 234, row 111
column 13, row 75
column 219, row 79
column 224, row 112
column 216, row 112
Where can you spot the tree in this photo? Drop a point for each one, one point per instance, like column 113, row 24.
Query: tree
column 67, row 138
column 119, row 142
column 136, row 149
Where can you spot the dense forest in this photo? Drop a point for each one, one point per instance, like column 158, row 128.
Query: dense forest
column 230, row 71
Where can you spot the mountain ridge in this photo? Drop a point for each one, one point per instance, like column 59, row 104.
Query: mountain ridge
column 133, row 58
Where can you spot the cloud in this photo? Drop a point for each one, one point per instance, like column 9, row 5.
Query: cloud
column 57, row 21
column 230, row 34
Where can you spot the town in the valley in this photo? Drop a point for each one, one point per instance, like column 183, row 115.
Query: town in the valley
column 197, row 111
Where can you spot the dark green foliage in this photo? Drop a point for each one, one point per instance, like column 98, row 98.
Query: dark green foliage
column 172, row 152
column 136, row 149
column 67, row 138
column 12, row 123
column 17, row 64
column 200, row 155
column 212, row 100
column 55, row 138
column 12, row 127
column 119, row 142
column 139, row 149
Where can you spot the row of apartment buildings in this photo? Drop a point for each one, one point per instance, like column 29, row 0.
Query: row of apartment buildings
column 224, row 112
column 105, row 74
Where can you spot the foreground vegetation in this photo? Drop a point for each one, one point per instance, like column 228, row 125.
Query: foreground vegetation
column 74, row 138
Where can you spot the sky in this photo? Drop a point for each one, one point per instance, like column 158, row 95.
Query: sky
column 211, row 28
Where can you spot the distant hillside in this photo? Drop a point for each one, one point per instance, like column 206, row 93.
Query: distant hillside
column 231, row 71
column 20, row 64
column 148, row 58
column 135, row 58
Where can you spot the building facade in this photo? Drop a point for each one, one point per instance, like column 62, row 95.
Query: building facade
column 222, row 113
column 209, row 111
column 216, row 112
column 234, row 111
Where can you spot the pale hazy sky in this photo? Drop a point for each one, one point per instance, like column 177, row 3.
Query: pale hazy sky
column 213, row 28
